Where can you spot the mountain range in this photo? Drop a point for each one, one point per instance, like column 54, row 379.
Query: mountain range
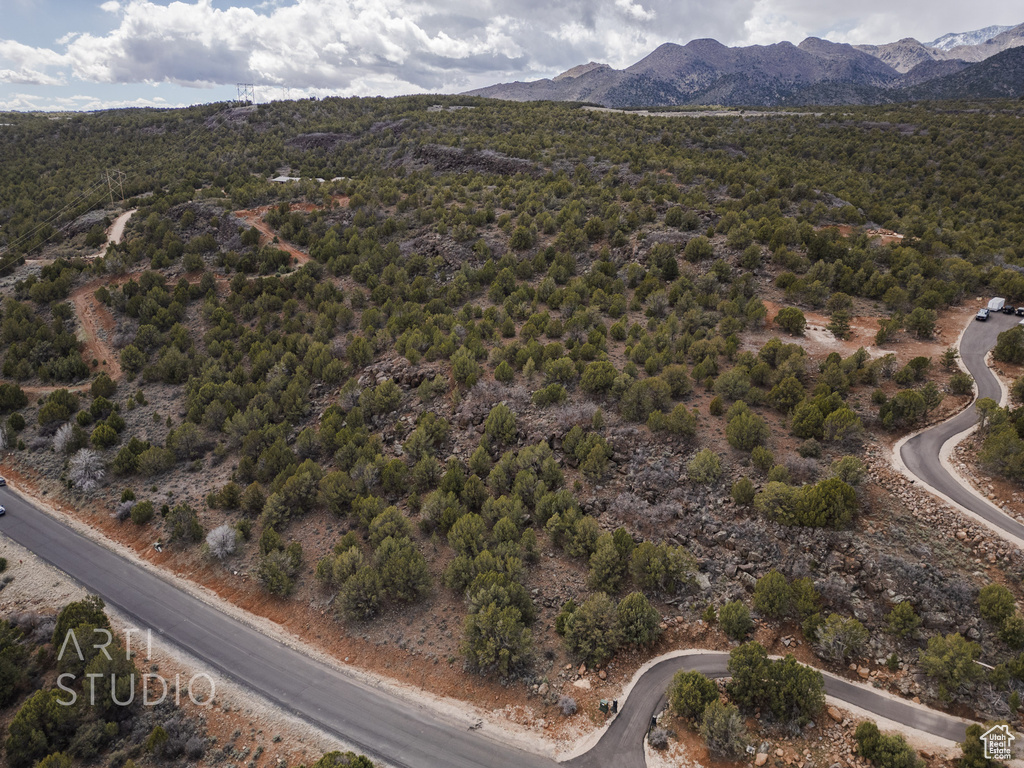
column 986, row 63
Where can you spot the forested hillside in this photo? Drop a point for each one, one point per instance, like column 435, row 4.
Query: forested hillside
column 499, row 388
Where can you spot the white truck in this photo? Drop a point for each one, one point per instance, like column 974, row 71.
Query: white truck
column 996, row 304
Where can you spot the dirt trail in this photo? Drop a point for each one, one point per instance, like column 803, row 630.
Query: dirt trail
column 97, row 328
column 254, row 218
column 884, row 236
column 116, row 232
column 96, row 323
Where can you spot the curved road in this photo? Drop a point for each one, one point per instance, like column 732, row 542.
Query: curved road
column 378, row 723
column 920, row 454
column 622, row 744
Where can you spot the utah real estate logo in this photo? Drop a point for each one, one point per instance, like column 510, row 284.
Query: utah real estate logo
column 998, row 740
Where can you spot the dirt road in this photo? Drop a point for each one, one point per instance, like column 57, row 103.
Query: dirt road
column 254, row 218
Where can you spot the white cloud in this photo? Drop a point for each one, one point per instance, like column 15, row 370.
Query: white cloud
column 25, row 102
column 766, row 26
column 873, row 21
column 344, row 45
column 634, row 10
column 29, row 56
column 28, row 77
column 387, row 47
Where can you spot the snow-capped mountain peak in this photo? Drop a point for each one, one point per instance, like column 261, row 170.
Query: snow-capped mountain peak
column 978, row 36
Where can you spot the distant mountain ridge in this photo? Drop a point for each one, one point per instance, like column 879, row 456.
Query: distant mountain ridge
column 905, row 54
column 814, row 72
column 955, row 39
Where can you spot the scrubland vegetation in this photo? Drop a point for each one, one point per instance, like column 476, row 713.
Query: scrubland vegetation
column 523, row 333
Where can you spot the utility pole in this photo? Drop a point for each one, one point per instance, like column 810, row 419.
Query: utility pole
column 246, row 93
column 115, row 179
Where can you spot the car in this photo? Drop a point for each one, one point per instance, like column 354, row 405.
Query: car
column 3, row 510
column 982, row 315
column 1020, row 311
column 1008, row 309
column 2, row 482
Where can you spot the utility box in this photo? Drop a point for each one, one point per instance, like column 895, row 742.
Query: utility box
column 996, row 304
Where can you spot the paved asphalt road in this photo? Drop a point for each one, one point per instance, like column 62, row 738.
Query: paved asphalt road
column 920, row 454
column 621, row 745
column 374, row 721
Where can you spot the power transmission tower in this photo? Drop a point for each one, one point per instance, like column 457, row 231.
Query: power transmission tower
column 115, row 180
column 247, row 93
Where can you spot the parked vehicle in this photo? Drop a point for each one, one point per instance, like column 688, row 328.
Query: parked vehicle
column 1008, row 309
column 2, row 482
column 982, row 315
column 996, row 304
column 3, row 510
column 1020, row 311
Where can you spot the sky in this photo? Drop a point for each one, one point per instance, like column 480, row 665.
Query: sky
column 90, row 54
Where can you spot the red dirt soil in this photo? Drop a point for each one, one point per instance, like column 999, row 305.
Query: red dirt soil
column 254, row 218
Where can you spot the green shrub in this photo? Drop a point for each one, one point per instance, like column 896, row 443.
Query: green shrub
column 496, row 639
column 762, row 458
column 950, row 661
column 743, row 492
column 723, row 729
column 734, row 619
column 142, row 512
column 360, row 595
column 840, row 639
column 791, row 320
column 275, row 572
column 772, row 595
column 403, row 570
column 690, row 693
column 663, row 568
column 698, row 249
column 552, row 394
column 591, row 631
column 500, row 425
column 638, row 622
column 607, row 564
column 786, row 689
column 1012, row 631
column 961, row 383
column 884, row 750
column 747, row 431
column 903, row 620
column 1010, row 346
column 704, row 468
column 996, row 603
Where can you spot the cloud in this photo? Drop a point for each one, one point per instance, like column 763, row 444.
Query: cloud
column 28, row 56
column 347, row 46
column 28, row 77
column 872, row 21
column 389, row 47
column 25, row 102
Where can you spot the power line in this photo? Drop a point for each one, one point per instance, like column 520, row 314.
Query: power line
column 74, row 203
column 246, row 93
column 115, row 178
column 112, row 179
